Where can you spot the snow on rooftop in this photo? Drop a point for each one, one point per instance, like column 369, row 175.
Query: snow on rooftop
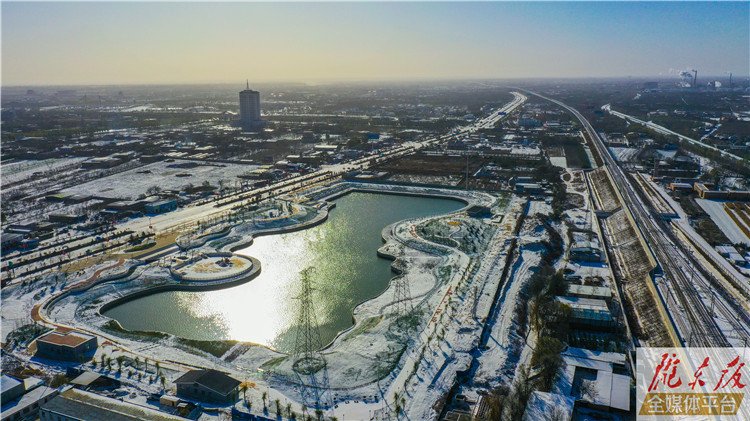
column 584, row 303
column 612, row 390
column 620, row 396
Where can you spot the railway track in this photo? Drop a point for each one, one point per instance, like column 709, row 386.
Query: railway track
column 695, row 321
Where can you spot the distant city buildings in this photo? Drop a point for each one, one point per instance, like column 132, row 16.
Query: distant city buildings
column 250, row 109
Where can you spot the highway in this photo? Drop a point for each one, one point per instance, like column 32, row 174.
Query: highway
column 494, row 117
column 688, row 295
column 191, row 214
column 186, row 219
column 665, row 131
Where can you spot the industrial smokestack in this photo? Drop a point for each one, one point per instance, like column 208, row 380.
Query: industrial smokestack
column 695, row 78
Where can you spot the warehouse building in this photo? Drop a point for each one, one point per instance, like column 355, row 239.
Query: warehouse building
column 80, row 405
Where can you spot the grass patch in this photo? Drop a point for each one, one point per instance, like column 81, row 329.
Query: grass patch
column 115, row 327
column 502, row 201
column 363, row 326
column 140, row 247
column 711, row 232
column 217, row 244
column 387, row 361
column 215, row 348
column 24, row 334
column 576, row 156
column 272, row 364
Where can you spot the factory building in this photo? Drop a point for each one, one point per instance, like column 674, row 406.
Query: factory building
column 79, row 405
column 583, row 251
column 587, row 312
column 705, row 193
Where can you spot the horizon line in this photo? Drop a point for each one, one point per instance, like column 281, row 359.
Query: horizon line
column 373, row 80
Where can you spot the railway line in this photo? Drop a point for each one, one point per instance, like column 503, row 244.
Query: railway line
column 687, row 290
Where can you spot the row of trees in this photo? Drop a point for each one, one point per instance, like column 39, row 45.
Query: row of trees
column 283, row 410
column 106, row 364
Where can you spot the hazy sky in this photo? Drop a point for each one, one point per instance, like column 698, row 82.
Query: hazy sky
column 136, row 42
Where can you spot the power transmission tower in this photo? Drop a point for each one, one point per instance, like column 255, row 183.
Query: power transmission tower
column 309, row 363
column 402, row 303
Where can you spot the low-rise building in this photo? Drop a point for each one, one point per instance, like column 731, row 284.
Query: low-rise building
column 584, row 252
column 11, row 241
column 106, row 162
column 89, row 380
column 66, row 218
column 11, row 388
column 706, row 193
column 730, row 253
column 161, row 206
column 598, row 379
column 327, row 148
column 587, row 379
column 21, row 399
column 681, row 186
column 208, row 386
column 588, row 312
column 529, row 188
column 80, row 405
column 589, row 291
column 66, row 344
column 478, row 211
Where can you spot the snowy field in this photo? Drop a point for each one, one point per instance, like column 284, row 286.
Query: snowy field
column 624, row 154
column 17, row 171
column 722, row 219
column 133, row 183
column 558, row 161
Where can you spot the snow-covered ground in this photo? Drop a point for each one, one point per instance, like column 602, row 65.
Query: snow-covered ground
column 135, row 182
column 367, row 363
column 726, row 224
column 624, row 154
column 559, row 161
column 21, row 170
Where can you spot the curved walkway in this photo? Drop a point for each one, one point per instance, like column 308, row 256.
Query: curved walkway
column 35, row 310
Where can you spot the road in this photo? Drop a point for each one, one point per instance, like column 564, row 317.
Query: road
column 688, row 293
column 189, row 215
column 663, row 130
column 494, row 117
column 185, row 219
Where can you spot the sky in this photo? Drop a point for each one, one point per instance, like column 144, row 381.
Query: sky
column 98, row 43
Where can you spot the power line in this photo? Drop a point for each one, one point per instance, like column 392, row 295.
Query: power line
column 309, row 363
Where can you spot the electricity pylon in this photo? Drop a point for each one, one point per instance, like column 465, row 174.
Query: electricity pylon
column 309, row 363
column 402, row 304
